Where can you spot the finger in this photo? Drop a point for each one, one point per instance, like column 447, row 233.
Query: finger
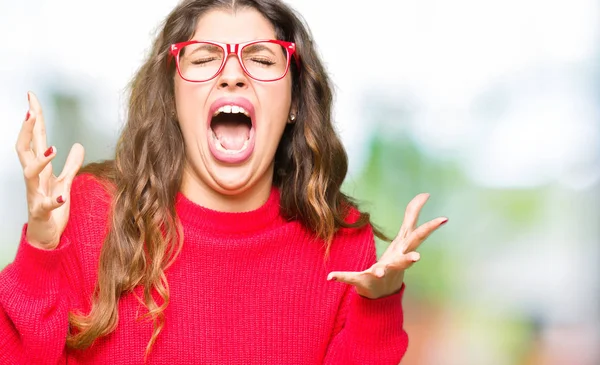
column 23, row 145
column 411, row 215
column 379, row 270
column 39, row 129
column 397, row 260
column 45, row 205
column 405, row 261
column 73, row 163
column 34, row 168
column 420, row 234
column 348, row 277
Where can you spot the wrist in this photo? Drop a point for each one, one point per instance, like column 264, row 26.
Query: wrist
column 51, row 244
column 372, row 296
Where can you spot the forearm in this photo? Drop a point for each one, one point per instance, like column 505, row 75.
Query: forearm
column 34, row 304
column 372, row 334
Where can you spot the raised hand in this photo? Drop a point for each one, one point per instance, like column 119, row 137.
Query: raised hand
column 385, row 277
column 47, row 195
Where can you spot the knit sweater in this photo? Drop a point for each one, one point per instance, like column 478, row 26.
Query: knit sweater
column 246, row 288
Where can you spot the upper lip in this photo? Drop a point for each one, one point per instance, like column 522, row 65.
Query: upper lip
column 239, row 101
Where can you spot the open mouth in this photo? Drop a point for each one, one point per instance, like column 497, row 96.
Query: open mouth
column 231, row 136
column 231, row 127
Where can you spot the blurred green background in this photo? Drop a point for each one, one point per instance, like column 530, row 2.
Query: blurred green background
column 492, row 107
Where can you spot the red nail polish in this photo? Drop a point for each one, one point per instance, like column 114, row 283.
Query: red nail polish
column 444, row 221
column 27, row 116
column 28, row 97
column 60, row 199
column 334, row 278
column 48, row 152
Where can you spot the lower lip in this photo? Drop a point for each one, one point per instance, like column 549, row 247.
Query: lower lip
column 231, row 158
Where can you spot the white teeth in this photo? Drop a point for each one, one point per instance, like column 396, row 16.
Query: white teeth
column 231, row 109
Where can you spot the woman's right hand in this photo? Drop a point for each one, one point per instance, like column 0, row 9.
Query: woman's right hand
column 48, row 196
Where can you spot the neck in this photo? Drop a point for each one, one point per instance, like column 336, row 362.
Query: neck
column 243, row 199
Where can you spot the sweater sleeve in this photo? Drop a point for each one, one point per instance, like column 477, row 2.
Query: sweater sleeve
column 34, row 304
column 40, row 287
column 368, row 331
column 371, row 332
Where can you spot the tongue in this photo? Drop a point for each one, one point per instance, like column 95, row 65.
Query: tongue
column 231, row 135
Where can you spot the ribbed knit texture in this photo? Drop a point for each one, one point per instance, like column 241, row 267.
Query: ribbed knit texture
column 247, row 288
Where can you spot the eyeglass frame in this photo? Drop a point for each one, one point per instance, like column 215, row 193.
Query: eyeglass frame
column 236, row 49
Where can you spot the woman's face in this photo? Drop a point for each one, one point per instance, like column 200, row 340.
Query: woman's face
column 229, row 162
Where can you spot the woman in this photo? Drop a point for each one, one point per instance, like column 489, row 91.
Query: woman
column 217, row 233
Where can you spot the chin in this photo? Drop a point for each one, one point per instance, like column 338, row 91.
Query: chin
column 231, row 180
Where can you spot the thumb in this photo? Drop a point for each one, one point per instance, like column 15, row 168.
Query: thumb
column 73, row 163
column 348, row 277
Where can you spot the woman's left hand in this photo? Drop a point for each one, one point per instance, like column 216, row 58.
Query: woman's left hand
column 386, row 276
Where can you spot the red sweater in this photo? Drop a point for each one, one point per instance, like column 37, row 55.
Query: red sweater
column 247, row 288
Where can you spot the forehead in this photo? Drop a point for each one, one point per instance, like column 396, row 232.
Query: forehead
column 246, row 24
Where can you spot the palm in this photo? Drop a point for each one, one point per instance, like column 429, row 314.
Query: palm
column 49, row 187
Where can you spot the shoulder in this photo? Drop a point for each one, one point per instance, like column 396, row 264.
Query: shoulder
column 90, row 198
column 352, row 216
column 88, row 217
column 92, row 183
column 90, row 187
column 87, row 226
column 354, row 247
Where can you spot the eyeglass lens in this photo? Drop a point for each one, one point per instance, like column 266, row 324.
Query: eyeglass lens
column 262, row 60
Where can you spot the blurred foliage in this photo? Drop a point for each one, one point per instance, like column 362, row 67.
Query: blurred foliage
column 395, row 172
column 72, row 122
column 482, row 222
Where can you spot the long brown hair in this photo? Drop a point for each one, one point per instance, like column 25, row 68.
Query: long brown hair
column 145, row 234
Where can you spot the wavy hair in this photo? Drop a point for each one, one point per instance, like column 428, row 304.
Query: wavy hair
column 144, row 178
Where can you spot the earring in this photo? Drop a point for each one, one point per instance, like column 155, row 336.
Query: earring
column 292, row 118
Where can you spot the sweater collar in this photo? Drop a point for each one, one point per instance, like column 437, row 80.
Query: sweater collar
column 232, row 223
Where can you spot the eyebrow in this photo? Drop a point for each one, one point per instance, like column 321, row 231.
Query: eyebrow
column 259, row 47
column 204, row 46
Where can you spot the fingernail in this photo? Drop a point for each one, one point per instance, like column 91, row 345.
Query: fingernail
column 27, row 116
column 444, row 221
column 333, row 278
column 60, row 199
column 48, row 152
column 28, row 96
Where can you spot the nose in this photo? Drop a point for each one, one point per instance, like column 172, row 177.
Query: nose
column 232, row 75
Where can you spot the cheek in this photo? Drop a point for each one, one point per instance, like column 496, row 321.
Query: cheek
column 277, row 101
column 184, row 94
column 190, row 101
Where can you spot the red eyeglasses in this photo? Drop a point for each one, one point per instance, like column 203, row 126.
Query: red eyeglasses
column 262, row 60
